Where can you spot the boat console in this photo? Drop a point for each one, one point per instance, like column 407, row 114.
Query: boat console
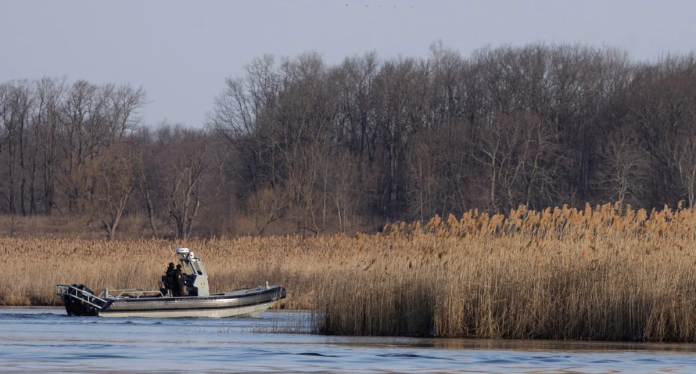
column 195, row 276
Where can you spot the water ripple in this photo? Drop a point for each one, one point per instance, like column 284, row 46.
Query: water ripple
column 47, row 341
column 315, row 354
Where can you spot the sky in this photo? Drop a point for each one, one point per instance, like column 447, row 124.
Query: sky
column 180, row 52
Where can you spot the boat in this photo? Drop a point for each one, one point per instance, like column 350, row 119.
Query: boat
column 79, row 300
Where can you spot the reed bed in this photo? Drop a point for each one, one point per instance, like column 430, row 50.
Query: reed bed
column 603, row 273
column 596, row 274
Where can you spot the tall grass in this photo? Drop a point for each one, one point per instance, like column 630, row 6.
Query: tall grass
column 598, row 274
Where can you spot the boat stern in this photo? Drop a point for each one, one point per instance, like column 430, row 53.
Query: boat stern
column 79, row 300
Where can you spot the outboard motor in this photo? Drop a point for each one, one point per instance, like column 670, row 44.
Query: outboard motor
column 79, row 300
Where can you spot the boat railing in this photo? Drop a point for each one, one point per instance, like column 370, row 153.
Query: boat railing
column 133, row 293
column 74, row 292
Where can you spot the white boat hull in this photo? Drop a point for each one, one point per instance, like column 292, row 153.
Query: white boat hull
column 252, row 311
column 241, row 303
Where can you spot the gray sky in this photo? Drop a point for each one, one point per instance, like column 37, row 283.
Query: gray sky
column 181, row 51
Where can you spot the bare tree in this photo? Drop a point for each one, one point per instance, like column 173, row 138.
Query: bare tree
column 17, row 104
column 115, row 181
column 265, row 207
column 95, row 118
column 185, row 169
column 626, row 167
column 49, row 96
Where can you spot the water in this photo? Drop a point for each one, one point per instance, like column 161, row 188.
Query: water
column 46, row 340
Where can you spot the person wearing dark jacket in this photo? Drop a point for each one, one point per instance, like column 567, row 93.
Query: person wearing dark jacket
column 178, row 284
column 170, row 270
column 169, row 278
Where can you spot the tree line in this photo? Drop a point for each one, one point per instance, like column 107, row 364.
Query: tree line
column 314, row 147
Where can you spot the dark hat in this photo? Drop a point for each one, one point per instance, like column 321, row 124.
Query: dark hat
column 171, row 265
column 178, row 266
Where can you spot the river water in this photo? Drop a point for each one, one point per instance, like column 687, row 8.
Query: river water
column 46, row 340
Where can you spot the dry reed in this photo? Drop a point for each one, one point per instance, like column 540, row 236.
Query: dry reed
column 598, row 274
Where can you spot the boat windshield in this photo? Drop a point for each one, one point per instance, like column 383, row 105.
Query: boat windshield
column 193, row 268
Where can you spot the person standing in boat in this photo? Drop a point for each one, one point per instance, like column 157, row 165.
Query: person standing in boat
column 169, row 278
column 178, row 283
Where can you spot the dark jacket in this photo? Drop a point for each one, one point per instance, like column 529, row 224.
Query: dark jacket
column 169, row 278
column 178, row 279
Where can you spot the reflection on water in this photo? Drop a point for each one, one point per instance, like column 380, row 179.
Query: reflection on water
column 46, row 340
